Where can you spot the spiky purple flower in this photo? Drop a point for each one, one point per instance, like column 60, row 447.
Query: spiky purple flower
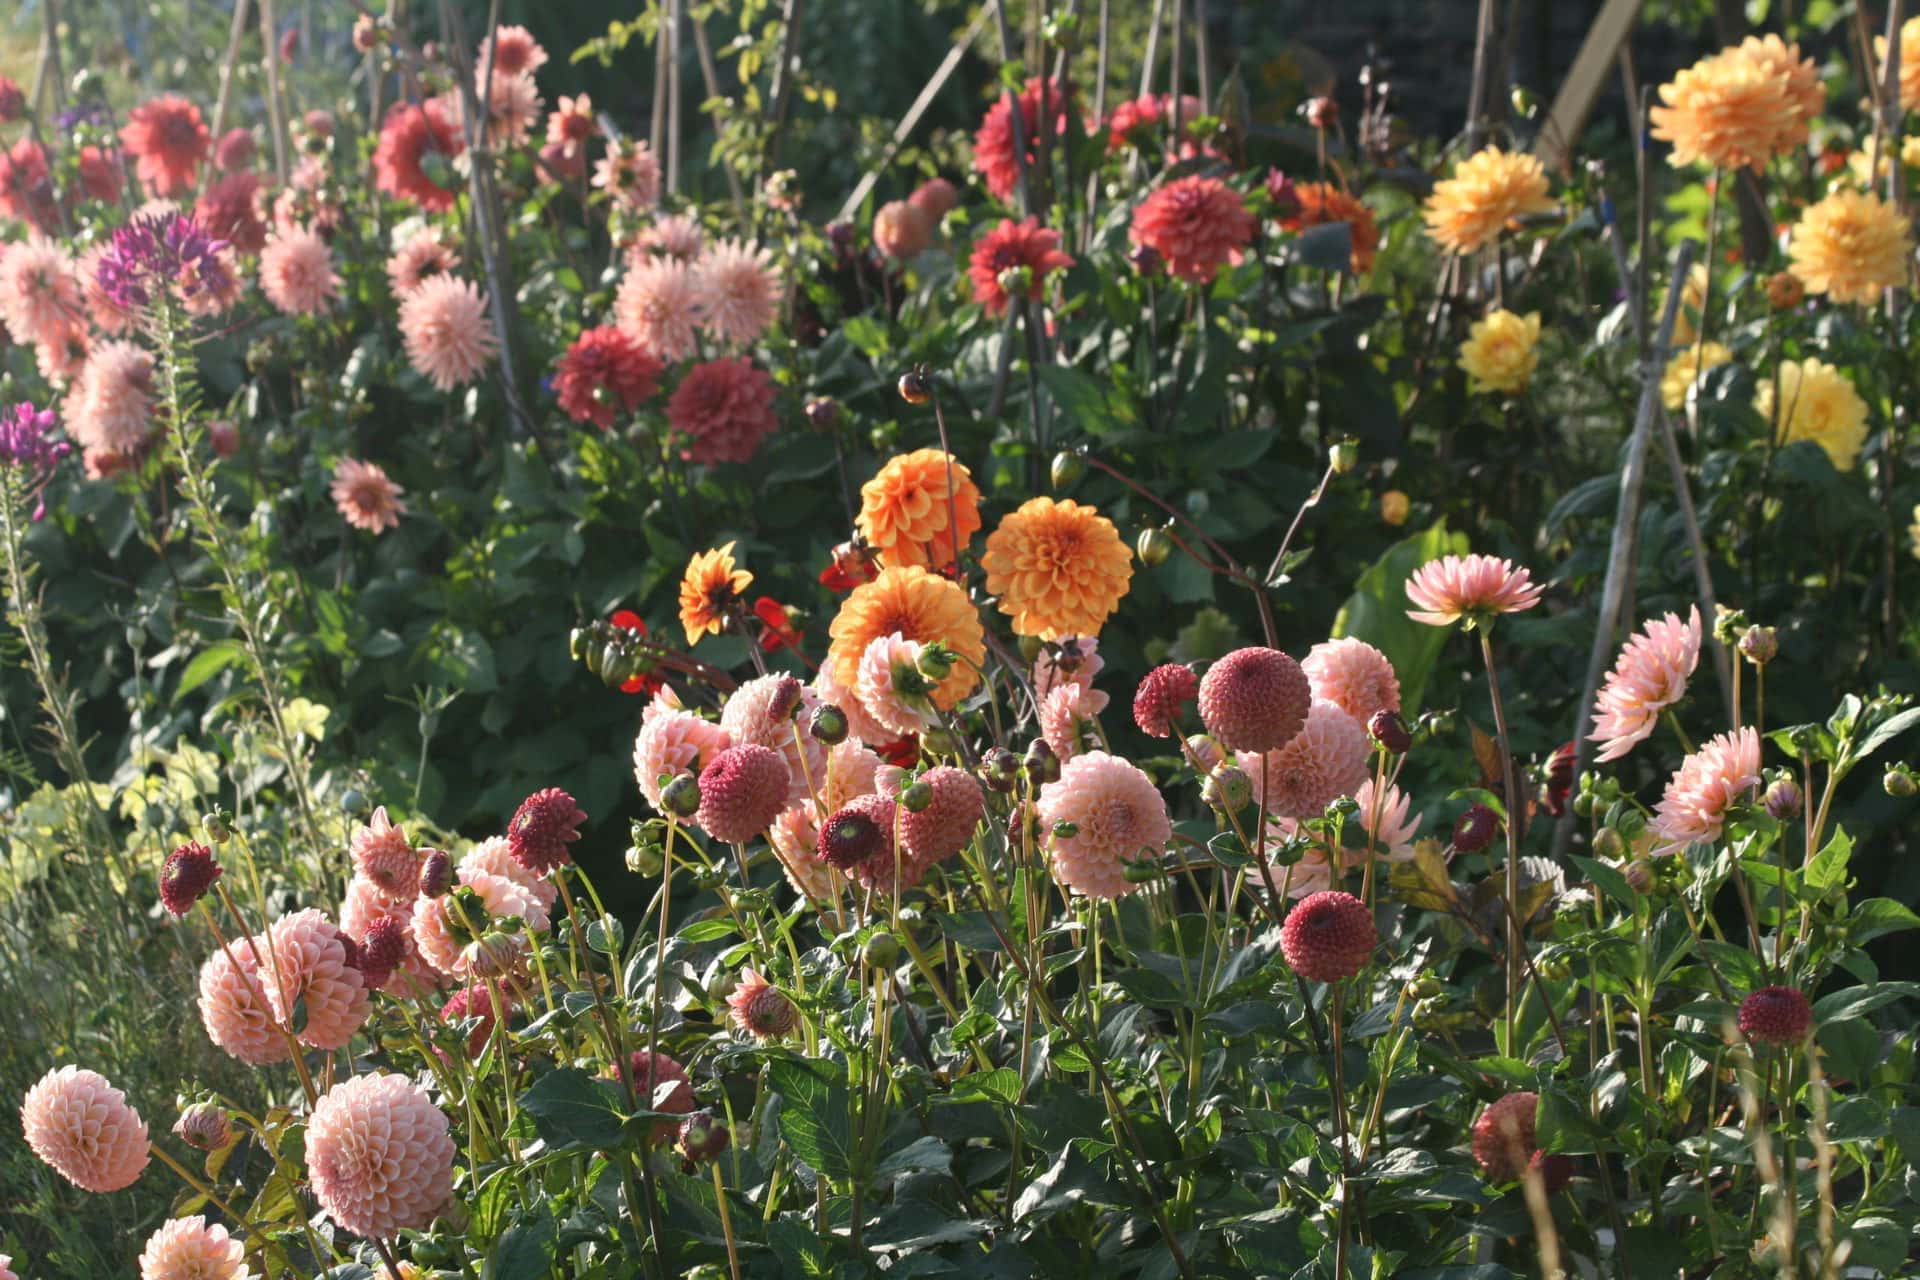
column 26, row 443
column 159, row 249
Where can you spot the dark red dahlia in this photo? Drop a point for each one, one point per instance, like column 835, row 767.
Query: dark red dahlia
column 1163, row 694
column 382, row 950
column 542, row 828
column 1329, row 936
column 189, row 872
column 1776, row 1015
column 410, row 135
column 605, row 372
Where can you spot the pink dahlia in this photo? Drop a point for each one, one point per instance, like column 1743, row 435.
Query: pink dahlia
column 235, row 150
column 1065, row 712
column 366, row 907
column 472, row 1002
column 542, row 828
column 417, row 145
column 379, row 1155
column 1014, row 246
column 772, row 711
column 741, row 791
column 947, row 824
column 1503, row 1136
column 1043, row 110
column 382, row 854
column 1163, row 692
column 902, row 230
column 229, row 210
column 1120, row 815
column 494, row 855
column 40, row 295
column 795, row 837
column 1388, row 821
column 675, row 236
column 1329, row 936
column 421, row 258
column 435, row 920
column 167, row 140
column 861, row 726
column 26, row 190
column 233, row 1004
column 659, row 1084
column 1354, row 676
column 1326, row 760
column 572, row 125
column 605, row 372
column 560, row 165
column 511, row 51
column 193, row 1249
column 1072, row 660
column 1649, row 676
column 306, row 964
column 724, row 409
column 1196, row 224
column 512, row 104
column 365, row 497
column 760, row 1008
column 111, row 409
column 630, row 174
column 891, row 687
column 1710, row 782
column 1134, row 123
column 658, row 302
column 738, row 291
column 852, row 770
column 6, row 1268
column 1474, row 588
column 448, row 337
column 936, row 197
column 296, row 272
column 1254, row 699
column 674, row 742
column 84, row 1129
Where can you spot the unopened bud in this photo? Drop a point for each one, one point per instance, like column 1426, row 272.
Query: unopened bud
column 1153, row 546
column 915, row 387
column 1476, row 829
column 1640, row 876
column 218, row 826
column 1068, row 467
column 1145, row 871
column 823, row 413
column 1016, row 282
column 882, row 951
column 1147, row 260
column 915, row 797
column 1899, row 782
column 1759, row 645
column 1783, row 801
column 204, row 1126
column 681, row 796
column 645, row 859
column 436, row 874
column 828, row 725
column 1609, row 844
column 1227, row 789
column 703, row 1137
column 1041, row 763
column 1344, row 456
column 1390, row 731
column 1064, row 830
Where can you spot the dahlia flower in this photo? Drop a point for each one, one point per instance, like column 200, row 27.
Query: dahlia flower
column 795, row 835
column 1503, row 1136
column 233, row 1004
column 1909, row 62
column 742, row 790
column 111, row 408
column 541, row 829
column 447, row 334
column 1013, row 246
column 40, row 296
column 1058, row 567
column 1354, row 676
column 738, row 291
column 761, row 1009
column 1686, row 368
column 1471, row 588
column 192, row 1249
column 919, row 605
column 1064, row 711
column 1120, row 817
column 1501, row 351
column 1488, row 191
column 82, row 1127
column 1254, row 699
column 1319, row 203
column 629, row 173
column 606, row 371
column 1162, row 694
column 1329, row 936
column 305, row 965
column 907, row 514
column 1740, row 107
column 421, row 258
column 26, row 189
column 366, row 905
column 167, row 140
column 658, row 302
column 441, row 935
column 229, row 211
column 772, row 711
column 936, row 197
column 659, row 1084
column 1043, row 110
column 1709, row 783
column 946, row 825
column 902, row 230
column 509, row 50
column 569, row 127
column 379, row 1155
column 1326, row 760
column 708, row 589
column 365, row 497
column 674, row 236
column 672, row 743
column 1851, row 246
column 414, row 137
column 494, row 855
column 1197, row 224
column 296, row 272
column 1815, row 402
column 1649, row 676
column 724, row 409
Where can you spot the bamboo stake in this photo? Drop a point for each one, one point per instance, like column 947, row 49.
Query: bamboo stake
column 710, row 77
column 674, row 17
column 235, row 34
column 276, row 107
column 783, row 75
column 56, row 78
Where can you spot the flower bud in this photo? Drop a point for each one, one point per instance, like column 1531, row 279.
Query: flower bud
column 1227, row 789
column 1153, row 546
column 1476, row 829
column 1393, row 508
column 1344, row 456
column 1065, row 830
column 681, row 796
column 823, row 413
column 496, row 954
column 1784, row 291
column 436, row 874
column 1068, row 467
column 1609, row 844
column 1898, row 782
column 1321, row 112
column 703, row 1137
column 1640, row 876
column 204, row 1126
column 1147, row 260
column 828, row 724
column 1042, row 764
column 915, row 387
column 1016, row 282
column 645, row 859
column 915, row 797
column 353, row 803
column 218, row 825
column 882, row 951
column 1783, row 801
column 1390, row 731
column 1144, row 871
column 1759, row 645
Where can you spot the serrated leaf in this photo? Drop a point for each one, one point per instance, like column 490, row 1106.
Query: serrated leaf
column 570, row 1108
column 814, row 1118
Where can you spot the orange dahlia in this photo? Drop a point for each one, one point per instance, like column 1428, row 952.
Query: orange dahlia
column 167, row 140
column 920, row 606
column 1850, row 246
column 1909, row 61
column 1059, row 568
column 1322, row 202
column 907, row 514
column 1739, row 107
column 710, row 585
column 1487, row 191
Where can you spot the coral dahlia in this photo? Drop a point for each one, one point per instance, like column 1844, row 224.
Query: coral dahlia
column 919, row 605
column 379, row 1155
column 605, row 372
column 167, row 140
column 192, row 1249
column 1197, row 224
column 1326, row 760
column 1013, row 246
column 84, row 1130
column 723, row 409
column 414, row 138
column 1354, row 676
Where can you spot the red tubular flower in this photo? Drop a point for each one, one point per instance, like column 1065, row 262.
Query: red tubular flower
column 780, row 631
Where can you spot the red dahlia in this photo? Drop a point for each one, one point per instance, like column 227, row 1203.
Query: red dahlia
column 606, row 371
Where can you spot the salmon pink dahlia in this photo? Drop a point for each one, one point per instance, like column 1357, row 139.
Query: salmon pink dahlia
column 6, row 1268
column 26, row 192
column 1709, row 782
column 761, row 1009
column 1119, row 816
column 772, row 711
column 1329, row 936
column 296, row 272
column 1649, row 676
column 111, row 409
column 738, row 291
column 382, row 854
column 1013, row 246
column 84, row 1130
column 741, row 791
column 1255, row 699
column 605, row 372
column 945, row 826
column 674, row 742
column 1197, row 224
column 509, row 51
column 414, row 138
column 1354, row 676
column 795, row 836
column 902, row 230
column 421, row 258
column 234, row 151
column 306, row 965
column 1473, row 589
column 441, row 935
column 936, row 197
column 40, row 294
column 365, row 497
column 658, row 303
column 1043, row 112
column 167, row 140
column 447, row 333
column 233, row 1004
column 724, row 409
column 192, row 1249
column 379, row 1155
column 494, row 855
column 891, row 686
column 675, row 236
column 1326, row 760
column 629, row 173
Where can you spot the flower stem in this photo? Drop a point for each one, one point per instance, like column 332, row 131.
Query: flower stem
column 1511, row 798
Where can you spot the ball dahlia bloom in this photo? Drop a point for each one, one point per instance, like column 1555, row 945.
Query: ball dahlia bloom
column 1470, row 588
column 1329, row 936
column 605, row 372
column 857, row 839
column 233, row 1004
column 919, row 605
column 1852, row 246
column 1043, row 110
column 1709, row 782
column 1739, row 107
column 1816, row 402
column 671, row 743
column 1320, row 203
column 167, row 140
column 1255, row 699
column 421, row 258
column 795, row 837
column 724, row 409
column 1326, row 760
column 1014, row 246
column 910, row 509
column 416, row 138
column 494, row 855
column 365, row 496
column 1649, row 676
column 902, row 230
column 365, row 906
column 737, row 291
column 1685, row 370
column 445, row 327
column 742, row 789
column 188, row 873
column 1058, row 567
column 1488, row 191
column 82, row 1127
column 1776, row 1015
column 542, row 828
column 1120, row 815
column 1065, row 711
column 193, row 1249
column 304, row 962
column 1196, row 224
column 936, row 197
column 1354, row 676
column 379, row 1155
column 772, row 711
column 1162, row 694
column 1503, row 1136
column 947, row 824
column 1502, row 350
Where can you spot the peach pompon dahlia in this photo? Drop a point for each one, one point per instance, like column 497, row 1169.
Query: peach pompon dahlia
column 305, row 965
column 1058, row 567
column 233, row 1004
column 1354, row 676
column 1119, row 816
column 1470, row 588
column 1326, row 760
column 1488, row 191
column 84, row 1129
column 911, row 509
column 193, row 1249
column 379, row 1155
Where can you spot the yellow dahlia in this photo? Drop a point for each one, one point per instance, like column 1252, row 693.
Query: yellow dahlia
column 1684, row 369
column 1909, row 61
column 1501, row 351
column 906, row 510
column 918, row 605
column 1059, row 568
column 710, row 586
column 1739, row 107
column 1817, row 403
column 1867, row 169
column 1487, row 191
column 1850, row 246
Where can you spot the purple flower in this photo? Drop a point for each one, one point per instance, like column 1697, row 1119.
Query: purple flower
column 159, row 249
column 75, row 116
column 25, row 443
